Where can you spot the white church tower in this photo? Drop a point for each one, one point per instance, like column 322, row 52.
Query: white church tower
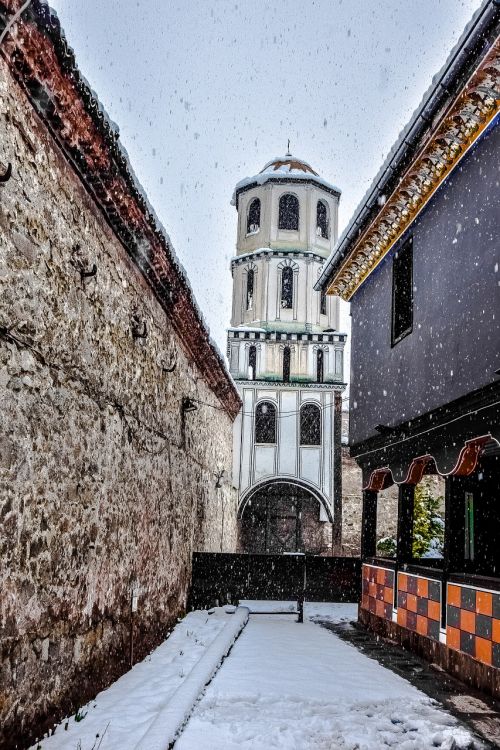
column 286, row 356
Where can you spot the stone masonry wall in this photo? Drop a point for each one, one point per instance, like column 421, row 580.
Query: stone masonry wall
column 102, row 489
column 352, row 502
column 387, row 501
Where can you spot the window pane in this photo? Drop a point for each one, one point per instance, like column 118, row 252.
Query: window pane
column 322, row 220
column 286, row 364
column 322, row 306
column 287, row 288
column 250, row 284
column 402, row 292
column 288, row 212
column 265, row 423
column 253, row 221
column 319, row 365
column 252, row 362
column 310, row 425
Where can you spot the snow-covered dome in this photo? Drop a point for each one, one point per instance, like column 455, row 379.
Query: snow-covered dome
column 283, row 168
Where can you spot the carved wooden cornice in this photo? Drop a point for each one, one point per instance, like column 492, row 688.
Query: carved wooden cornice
column 468, row 458
column 471, row 112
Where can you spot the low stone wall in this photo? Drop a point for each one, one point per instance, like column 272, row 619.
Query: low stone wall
column 352, row 506
column 377, row 590
column 106, row 489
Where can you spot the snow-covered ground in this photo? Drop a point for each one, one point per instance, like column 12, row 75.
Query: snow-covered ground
column 121, row 714
column 300, row 687
column 284, row 685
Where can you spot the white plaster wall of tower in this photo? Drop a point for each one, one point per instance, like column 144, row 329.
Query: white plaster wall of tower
column 286, row 355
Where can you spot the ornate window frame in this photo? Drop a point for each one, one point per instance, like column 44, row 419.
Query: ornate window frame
column 317, row 407
column 250, row 266
column 258, row 405
column 295, row 267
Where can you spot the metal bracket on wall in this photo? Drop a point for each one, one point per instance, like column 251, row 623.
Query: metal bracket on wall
column 137, row 333
column 170, row 366
column 218, row 477
column 5, row 177
column 88, row 274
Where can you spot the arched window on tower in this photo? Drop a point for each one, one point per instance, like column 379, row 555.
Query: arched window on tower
column 286, row 364
column 319, row 365
column 288, row 212
column 287, row 288
column 250, row 288
column 322, row 302
column 252, row 362
column 322, row 220
column 310, row 425
column 265, row 422
column 253, row 218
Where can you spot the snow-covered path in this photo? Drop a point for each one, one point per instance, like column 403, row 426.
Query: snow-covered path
column 118, row 717
column 300, row 687
column 284, row 685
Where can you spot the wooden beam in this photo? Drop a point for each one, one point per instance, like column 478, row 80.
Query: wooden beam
column 406, row 496
column 369, row 524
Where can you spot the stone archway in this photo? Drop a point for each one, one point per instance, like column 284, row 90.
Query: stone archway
column 284, row 517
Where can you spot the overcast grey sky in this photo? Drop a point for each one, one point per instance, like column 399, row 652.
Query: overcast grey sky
column 206, row 92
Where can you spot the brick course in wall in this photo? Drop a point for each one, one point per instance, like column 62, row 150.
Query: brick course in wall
column 105, row 487
column 377, row 591
column 470, row 645
column 419, row 604
column 473, row 623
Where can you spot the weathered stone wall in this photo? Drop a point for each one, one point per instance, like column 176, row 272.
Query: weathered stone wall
column 387, row 501
column 352, row 502
column 102, row 489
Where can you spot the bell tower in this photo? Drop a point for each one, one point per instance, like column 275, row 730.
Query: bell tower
column 284, row 344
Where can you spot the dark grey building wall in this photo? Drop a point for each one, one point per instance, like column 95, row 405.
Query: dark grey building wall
column 454, row 347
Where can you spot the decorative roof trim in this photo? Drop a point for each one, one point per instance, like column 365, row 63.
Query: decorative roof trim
column 470, row 114
column 263, row 179
column 281, row 253
column 271, row 385
column 247, row 334
column 41, row 60
column 465, row 465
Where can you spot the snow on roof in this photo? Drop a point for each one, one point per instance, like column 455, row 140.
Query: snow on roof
column 247, row 328
column 280, row 250
column 286, row 167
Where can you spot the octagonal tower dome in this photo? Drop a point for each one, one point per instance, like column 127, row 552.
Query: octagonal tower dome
column 287, row 206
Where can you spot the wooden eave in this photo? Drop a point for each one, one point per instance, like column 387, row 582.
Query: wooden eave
column 456, row 131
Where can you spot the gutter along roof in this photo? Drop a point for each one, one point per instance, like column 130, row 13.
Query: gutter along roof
column 463, row 100
column 41, row 60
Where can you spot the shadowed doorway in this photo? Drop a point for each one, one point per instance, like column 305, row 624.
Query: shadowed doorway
column 284, row 517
